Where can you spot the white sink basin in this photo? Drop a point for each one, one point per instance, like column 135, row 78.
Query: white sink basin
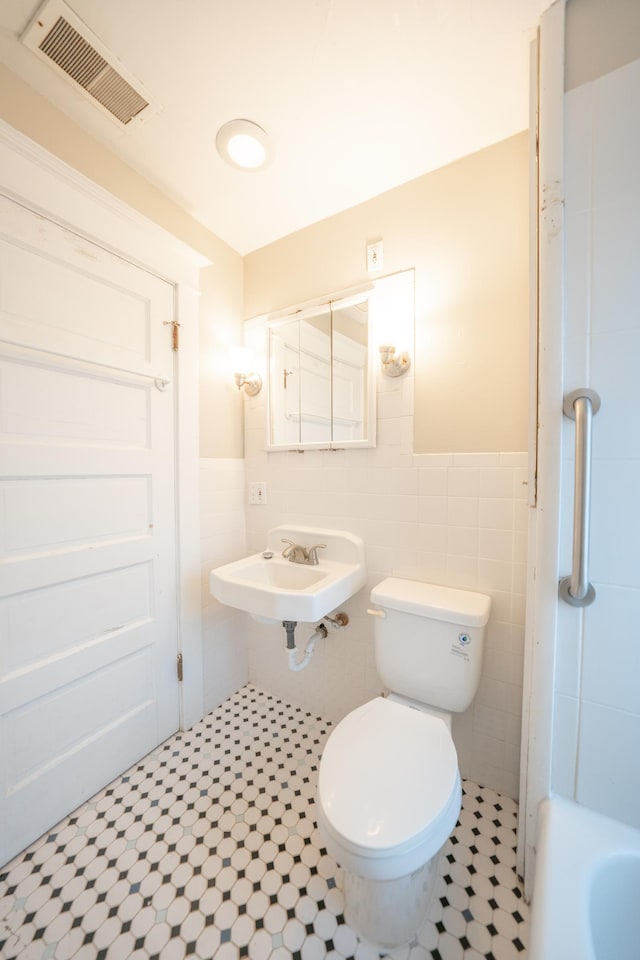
column 278, row 589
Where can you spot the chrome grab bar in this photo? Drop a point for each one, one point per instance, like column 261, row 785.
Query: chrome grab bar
column 581, row 406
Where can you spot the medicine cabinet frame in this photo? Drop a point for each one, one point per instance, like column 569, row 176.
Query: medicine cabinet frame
column 321, row 383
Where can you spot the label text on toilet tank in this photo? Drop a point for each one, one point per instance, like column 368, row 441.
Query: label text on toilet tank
column 459, row 647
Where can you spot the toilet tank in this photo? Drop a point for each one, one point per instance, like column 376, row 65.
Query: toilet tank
column 429, row 641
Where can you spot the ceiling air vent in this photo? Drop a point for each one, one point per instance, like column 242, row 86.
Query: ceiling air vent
column 60, row 38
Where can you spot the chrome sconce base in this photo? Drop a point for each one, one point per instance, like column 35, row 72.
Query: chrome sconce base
column 252, row 383
column 394, row 364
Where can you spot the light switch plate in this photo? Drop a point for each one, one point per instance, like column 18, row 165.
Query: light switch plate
column 257, row 493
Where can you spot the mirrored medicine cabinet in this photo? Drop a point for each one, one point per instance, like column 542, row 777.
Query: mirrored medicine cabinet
column 321, row 390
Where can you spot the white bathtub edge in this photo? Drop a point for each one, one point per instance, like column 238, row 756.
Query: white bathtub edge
column 572, row 840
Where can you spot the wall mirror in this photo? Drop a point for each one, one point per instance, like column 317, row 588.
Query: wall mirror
column 321, row 391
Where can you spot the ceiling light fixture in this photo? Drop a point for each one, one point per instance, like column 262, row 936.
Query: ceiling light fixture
column 243, row 144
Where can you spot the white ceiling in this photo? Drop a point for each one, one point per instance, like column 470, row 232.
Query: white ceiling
column 358, row 96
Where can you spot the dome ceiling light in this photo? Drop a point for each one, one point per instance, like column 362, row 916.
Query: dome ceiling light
column 244, row 145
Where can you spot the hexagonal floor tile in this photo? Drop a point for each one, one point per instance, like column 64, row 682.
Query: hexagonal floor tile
column 209, row 846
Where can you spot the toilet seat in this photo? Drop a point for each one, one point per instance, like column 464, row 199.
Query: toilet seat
column 389, row 789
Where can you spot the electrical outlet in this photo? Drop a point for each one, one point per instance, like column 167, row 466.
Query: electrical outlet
column 257, row 493
column 375, row 257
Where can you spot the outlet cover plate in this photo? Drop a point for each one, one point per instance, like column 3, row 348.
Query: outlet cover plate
column 257, row 493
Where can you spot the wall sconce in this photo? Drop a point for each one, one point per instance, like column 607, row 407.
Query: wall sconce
column 394, row 364
column 252, row 382
column 243, row 376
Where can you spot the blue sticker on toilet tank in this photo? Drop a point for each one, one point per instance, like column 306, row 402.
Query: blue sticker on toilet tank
column 460, row 646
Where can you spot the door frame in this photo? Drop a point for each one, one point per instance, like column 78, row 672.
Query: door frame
column 544, row 519
column 50, row 187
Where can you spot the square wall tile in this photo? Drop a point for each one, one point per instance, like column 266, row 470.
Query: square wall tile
column 496, row 514
column 564, row 749
column 433, row 538
column 462, row 511
column 462, row 541
column 462, row 481
column 578, row 134
column 496, row 545
column 611, row 671
column 614, row 373
column 616, row 137
column 615, row 557
column 496, row 482
column 615, row 296
column 608, row 773
column 568, row 653
column 577, row 250
column 514, row 458
column 433, row 509
column 490, row 722
column 495, row 575
column 461, row 572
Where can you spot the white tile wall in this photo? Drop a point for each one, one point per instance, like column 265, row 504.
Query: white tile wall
column 608, row 778
column 611, row 670
column 456, row 519
column 565, row 758
column 597, row 716
column 222, row 495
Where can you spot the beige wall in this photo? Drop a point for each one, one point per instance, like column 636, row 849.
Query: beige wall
column 601, row 35
column 221, row 403
column 465, row 230
column 221, row 303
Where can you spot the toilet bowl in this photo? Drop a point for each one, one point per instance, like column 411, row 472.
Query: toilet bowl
column 389, row 796
column 389, row 791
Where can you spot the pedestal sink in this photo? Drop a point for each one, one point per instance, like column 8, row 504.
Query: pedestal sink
column 278, row 589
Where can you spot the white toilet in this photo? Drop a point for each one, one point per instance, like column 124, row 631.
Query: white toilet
column 389, row 788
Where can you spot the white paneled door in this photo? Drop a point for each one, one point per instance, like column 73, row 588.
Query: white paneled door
column 88, row 634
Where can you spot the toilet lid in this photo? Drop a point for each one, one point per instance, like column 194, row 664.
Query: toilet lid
column 388, row 775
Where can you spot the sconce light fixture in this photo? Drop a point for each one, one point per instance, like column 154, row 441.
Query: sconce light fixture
column 241, row 362
column 394, row 364
column 252, row 382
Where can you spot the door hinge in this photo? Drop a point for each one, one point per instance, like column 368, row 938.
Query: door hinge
column 176, row 336
column 179, row 667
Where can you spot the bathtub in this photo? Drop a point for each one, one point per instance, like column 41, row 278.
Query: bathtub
column 586, row 893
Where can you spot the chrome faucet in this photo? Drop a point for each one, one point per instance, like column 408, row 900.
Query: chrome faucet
column 296, row 553
column 312, row 553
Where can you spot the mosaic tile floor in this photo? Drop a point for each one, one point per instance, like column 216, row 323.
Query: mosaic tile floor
column 208, row 848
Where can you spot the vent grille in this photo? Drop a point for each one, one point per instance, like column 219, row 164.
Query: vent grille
column 72, row 53
column 118, row 96
column 80, row 61
column 57, row 35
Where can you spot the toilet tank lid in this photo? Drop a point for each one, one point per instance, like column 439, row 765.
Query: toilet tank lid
column 430, row 600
